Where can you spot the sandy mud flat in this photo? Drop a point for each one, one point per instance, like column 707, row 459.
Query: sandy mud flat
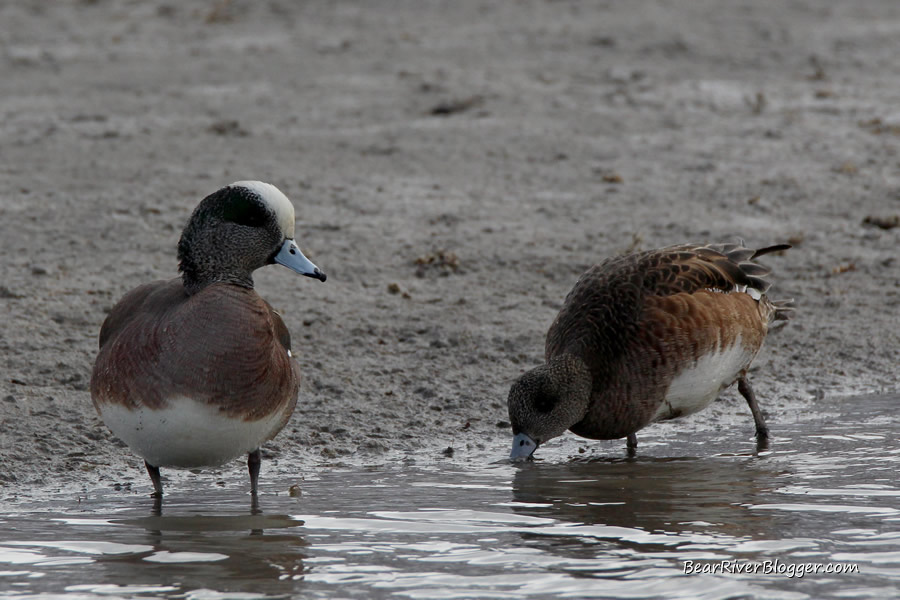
column 455, row 166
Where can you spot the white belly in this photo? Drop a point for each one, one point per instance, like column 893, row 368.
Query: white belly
column 187, row 433
column 695, row 387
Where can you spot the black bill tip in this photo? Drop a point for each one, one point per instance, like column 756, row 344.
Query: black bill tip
column 317, row 274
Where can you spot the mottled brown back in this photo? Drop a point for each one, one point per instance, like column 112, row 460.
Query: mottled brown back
column 637, row 320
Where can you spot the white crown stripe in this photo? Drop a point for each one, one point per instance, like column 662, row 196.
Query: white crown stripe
column 274, row 199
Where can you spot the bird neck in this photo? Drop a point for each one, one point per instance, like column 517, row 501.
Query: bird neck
column 573, row 377
column 203, row 260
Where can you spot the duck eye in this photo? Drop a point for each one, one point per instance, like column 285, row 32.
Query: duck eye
column 544, row 402
column 244, row 209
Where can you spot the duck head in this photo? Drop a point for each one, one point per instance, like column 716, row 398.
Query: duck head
column 546, row 401
column 236, row 230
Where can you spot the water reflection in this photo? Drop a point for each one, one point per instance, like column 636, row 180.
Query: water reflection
column 652, row 494
column 192, row 546
column 825, row 492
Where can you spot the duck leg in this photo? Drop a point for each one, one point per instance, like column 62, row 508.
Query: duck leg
column 253, row 462
column 155, row 478
column 762, row 430
column 631, row 444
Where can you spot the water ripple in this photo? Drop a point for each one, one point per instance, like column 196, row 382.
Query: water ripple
column 711, row 521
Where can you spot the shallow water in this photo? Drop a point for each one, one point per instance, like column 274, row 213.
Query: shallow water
column 825, row 493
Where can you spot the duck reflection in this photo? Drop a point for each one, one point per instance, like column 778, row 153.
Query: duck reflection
column 196, row 543
column 670, row 495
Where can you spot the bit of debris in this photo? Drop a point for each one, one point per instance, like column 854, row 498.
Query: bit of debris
column 757, row 103
column 394, row 288
column 612, row 178
column 847, row 168
column 843, row 268
column 294, row 491
column 877, row 126
column 448, row 452
column 818, row 73
column 228, row 127
column 221, row 12
column 452, row 107
column 795, row 239
column 882, row 222
column 442, row 261
column 637, row 242
column 602, row 41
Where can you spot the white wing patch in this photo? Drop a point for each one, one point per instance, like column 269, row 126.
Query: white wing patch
column 274, row 199
column 752, row 292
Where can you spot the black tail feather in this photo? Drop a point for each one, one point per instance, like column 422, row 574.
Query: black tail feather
column 784, row 309
column 775, row 248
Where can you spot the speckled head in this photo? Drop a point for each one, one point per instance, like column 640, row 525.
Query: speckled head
column 236, row 230
column 546, row 401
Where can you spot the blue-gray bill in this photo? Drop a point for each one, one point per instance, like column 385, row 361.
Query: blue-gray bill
column 291, row 257
column 523, row 447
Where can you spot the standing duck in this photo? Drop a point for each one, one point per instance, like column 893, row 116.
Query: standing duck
column 646, row 337
column 197, row 370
